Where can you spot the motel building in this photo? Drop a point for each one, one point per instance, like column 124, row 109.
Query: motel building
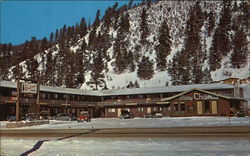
column 213, row 99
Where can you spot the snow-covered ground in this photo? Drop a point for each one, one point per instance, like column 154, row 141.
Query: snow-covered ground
column 141, row 123
column 123, row 146
column 127, row 146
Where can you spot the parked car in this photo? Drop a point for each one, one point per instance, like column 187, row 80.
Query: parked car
column 28, row 117
column 158, row 114
column 23, row 117
column 11, row 118
column 240, row 114
column 84, row 116
column 126, row 115
column 148, row 115
column 63, row 117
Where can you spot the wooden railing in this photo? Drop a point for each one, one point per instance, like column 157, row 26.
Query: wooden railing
column 83, row 103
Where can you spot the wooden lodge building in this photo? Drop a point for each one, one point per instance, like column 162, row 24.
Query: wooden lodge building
column 214, row 99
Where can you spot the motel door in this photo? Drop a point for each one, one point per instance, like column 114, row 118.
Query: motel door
column 199, row 107
column 214, row 107
column 149, row 110
column 119, row 112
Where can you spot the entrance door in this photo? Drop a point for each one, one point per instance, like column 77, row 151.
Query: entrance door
column 199, row 107
column 149, row 110
column 214, row 107
column 118, row 112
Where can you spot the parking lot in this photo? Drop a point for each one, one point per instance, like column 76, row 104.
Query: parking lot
column 141, row 123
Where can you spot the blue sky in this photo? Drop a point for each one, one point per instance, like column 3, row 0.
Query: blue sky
column 20, row 20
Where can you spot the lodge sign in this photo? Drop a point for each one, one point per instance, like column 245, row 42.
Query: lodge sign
column 29, row 88
column 197, row 96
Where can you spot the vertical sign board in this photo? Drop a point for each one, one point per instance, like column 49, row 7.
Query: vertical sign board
column 199, row 107
column 214, row 107
column 29, row 88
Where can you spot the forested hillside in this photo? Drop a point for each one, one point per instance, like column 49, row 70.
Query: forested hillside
column 154, row 43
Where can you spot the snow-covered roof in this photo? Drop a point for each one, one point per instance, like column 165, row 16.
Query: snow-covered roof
column 11, row 84
column 165, row 89
column 200, row 90
column 131, row 91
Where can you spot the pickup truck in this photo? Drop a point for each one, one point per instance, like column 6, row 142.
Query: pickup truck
column 84, row 116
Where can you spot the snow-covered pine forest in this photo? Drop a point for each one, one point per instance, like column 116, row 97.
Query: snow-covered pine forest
column 154, row 43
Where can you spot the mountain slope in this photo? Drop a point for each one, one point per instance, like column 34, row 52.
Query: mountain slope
column 112, row 42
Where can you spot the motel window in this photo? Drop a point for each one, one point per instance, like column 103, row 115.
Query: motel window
column 183, row 107
column 207, row 107
column 140, row 96
column 111, row 110
column 12, row 110
column 43, row 95
column 55, row 96
column 127, row 97
column 64, row 96
column 176, row 108
column 48, row 96
column 140, row 109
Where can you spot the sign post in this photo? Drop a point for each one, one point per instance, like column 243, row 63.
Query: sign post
column 31, row 88
column 17, row 101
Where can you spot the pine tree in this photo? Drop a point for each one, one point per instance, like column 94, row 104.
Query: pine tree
column 17, row 72
column 163, row 49
column 211, row 24
column 137, row 85
column 130, row 61
column 32, row 69
column 145, row 69
column 215, row 55
column 51, row 37
column 130, row 4
column 207, row 76
column 144, row 27
column 83, row 27
column 97, row 77
column 130, row 85
column 56, row 36
column 121, row 46
column 224, row 28
column 97, row 20
column 192, row 56
column 240, row 48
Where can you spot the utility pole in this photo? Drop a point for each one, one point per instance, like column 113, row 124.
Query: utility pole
column 18, row 101
column 38, row 99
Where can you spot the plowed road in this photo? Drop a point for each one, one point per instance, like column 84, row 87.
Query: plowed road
column 216, row 131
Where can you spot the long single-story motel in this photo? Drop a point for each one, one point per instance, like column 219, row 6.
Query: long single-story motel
column 213, row 99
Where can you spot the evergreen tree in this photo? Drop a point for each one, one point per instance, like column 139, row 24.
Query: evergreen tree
column 211, row 22
column 17, row 72
column 144, row 27
column 240, row 48
column 130, row 85
column 130, row 61
column 130, row 4
column 56, row 36
column 97, row 20
column 97, row 77
column 51, row 37
column 207, row 76
column 145, row 69
column 137, row 85
column 215, row 55
column 83, row 27
column 192, row 56
column 32, row 69
column 163, row 49
column 121, row 46
column 105, row 87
